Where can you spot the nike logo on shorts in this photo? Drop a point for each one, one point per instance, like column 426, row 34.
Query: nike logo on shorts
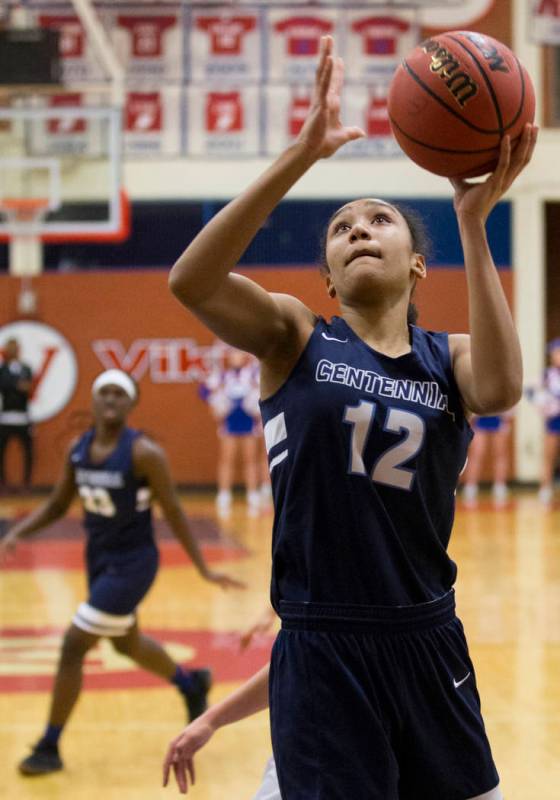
column 456, row 684
column 333, row 339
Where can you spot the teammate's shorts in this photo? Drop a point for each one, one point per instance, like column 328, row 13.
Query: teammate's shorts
column 376, row 703
column 117, row 584
column 553, row 424
column 488, row 424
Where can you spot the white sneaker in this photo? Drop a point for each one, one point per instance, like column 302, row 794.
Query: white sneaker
column 253, row 503
column 470, row 494
column 500, row 494
column 223, row 503
column 545, row 495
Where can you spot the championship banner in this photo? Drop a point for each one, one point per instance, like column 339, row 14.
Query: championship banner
column 376, row 40
column 286, row 108
column 68, row 136
column 366, row 106
column 545, row 21
column 149, row 42
column 223, row 45
column 223, row 121
column 79, row 62
column 152, row 121
column 293, row 40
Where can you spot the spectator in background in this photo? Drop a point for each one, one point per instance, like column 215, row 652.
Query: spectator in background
column 16, row 383
column 232, row 393
column 493, row 431
column 547, row 399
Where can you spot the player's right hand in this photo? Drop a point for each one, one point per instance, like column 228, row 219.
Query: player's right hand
column 181, row 753
column 7, row 548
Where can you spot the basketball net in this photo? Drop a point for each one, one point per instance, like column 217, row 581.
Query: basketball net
column 23, row 215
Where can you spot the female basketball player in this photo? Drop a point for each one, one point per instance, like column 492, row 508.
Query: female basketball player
column 372, row 691
column 116, row 471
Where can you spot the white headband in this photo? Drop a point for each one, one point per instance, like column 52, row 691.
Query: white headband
column 116, row 377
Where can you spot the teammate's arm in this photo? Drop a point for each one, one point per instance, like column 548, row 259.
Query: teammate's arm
column 48, row 512
column 487, row 365
column 150, row 462
column 235, row 308
column 247, row 700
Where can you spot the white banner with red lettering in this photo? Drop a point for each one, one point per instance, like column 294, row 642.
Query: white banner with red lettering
column 545, row 21
column 78, row 58
column 224, row 44
column 293, row 39
column 376, row 40
column 286, row 108
column 366, row 106
column 68, row 135
column 152, row 121
column 223, row 121
column 149, row 42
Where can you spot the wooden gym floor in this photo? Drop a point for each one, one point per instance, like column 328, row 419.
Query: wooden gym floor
column 508, row 596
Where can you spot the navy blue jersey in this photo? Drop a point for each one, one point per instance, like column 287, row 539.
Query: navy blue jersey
column 117, row 510
column 365, row 451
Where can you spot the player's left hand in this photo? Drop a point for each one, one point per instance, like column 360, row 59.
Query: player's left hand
column 478, row 199
column 224, row 581
column 181, row 752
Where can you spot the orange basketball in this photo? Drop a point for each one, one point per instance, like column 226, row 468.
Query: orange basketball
column 452, row 100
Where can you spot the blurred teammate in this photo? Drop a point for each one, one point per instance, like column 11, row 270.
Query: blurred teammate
column 493, row 431
column 372, row 690
column 116, row 470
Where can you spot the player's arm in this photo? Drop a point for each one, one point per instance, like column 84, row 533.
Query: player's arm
column 487, row 365
column 238, row 310
column 150, row 463
column 247, row 700
column 48, row 512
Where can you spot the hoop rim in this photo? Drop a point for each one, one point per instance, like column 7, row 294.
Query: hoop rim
column 23, row 204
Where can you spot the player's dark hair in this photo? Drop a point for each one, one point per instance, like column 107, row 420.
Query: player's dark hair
column 419, row 240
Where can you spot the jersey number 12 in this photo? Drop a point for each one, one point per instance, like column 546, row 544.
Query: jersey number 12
column 388, row 468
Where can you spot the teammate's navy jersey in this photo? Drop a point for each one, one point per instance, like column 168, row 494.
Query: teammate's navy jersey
column 117, row 510
column 365, row 451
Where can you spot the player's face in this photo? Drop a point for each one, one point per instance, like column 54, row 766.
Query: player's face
column 369, row 250
column 111, row 405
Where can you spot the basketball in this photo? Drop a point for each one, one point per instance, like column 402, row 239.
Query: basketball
column 454, row 97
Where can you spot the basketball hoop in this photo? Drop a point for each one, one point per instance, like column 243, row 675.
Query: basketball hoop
column 23, row 213
column 23, row 216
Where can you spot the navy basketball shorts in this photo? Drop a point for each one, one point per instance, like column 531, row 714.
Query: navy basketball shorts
column 117, row 584
column 376, row 703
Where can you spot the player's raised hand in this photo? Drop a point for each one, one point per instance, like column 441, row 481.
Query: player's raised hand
column 323, row 133
column 478, row 199
column 224, row 581
column 181, row 751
